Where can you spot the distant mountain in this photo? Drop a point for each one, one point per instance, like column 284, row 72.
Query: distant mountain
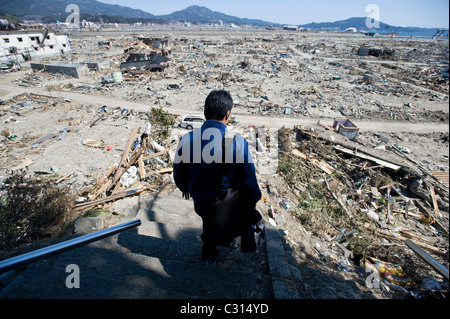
column 198, row 14
column 45, row 8
column 360, row 25
column 56, row 8
column 53, row 10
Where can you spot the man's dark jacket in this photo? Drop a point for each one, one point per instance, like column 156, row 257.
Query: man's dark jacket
column 198, row 165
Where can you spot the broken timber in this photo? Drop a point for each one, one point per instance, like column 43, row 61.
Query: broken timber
column 440, row 225
column 353, row 152
column 111, row 187
column 337, row 199
column 120, row 170
column 363, row 155
column 389, row 235
column 91, row 204
column 319, row 164
column 443, row 177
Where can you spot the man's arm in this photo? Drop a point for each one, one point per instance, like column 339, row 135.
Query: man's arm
column 180, row 170
column 245, row 172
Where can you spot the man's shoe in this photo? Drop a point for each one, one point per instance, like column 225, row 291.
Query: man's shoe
column 209, row 262
column 234, row 244
column 209, row 256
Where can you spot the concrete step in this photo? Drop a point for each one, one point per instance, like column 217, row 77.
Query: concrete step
column 159, row 215
column 169, row 231
column 169, row 208
column 159, row 259
column 184, row 251
column 44, row 281
column 108, row 273
column 177, row 202
column 173, row 202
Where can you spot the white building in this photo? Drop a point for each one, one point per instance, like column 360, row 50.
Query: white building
column 31, row 45
column 89, row 24
column 290, row 27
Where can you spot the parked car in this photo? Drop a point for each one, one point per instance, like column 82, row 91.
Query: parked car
column 192, row 121
column 285, row 55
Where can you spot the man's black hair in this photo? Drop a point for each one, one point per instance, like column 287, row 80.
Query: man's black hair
column 217, row 104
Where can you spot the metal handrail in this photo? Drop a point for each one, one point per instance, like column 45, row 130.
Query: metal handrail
column 30, row 257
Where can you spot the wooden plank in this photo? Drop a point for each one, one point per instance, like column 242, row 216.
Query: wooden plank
column 89, row 204
column 428, row 213
column 322, row 165
column 101, row 190
column 134, row 158
column 368, row 157
column 435, row 204
column 131, row 162
column 443, row 177
column 116, row 189
column 92, row 143
column 120, row 170
column 410, row 235
column 109, row 172
column 63, row 178
column 147, row 157
column 165, row 170
column 141, row 167
column 388, row 235
column 298, row 154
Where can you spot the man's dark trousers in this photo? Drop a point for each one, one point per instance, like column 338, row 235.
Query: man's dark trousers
column 212, row 236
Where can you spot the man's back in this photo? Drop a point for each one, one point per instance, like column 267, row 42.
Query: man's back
column 199, row 165
column 199, row 171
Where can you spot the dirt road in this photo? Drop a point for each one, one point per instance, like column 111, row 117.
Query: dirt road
column 8, row 90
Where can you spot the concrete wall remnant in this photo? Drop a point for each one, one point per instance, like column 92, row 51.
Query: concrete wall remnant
column 375, row 52
column 74, row 70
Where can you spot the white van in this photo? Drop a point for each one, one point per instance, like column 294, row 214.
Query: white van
column 192, row 121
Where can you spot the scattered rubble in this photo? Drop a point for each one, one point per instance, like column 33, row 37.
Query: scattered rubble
column 356, row 209
column 346, row 197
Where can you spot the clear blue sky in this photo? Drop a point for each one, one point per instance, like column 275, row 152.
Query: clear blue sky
column 417, row 13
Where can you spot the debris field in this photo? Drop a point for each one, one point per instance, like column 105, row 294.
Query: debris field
column 362, row 140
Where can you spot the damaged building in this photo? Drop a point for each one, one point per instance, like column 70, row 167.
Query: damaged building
column 140, row 60
column 148, row 53
column 32, row 45
column 158, row 43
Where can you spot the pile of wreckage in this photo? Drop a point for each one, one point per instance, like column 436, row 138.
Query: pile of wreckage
column 142, row 56
column 142, row 168
column 147, row 54
column 386, row 213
